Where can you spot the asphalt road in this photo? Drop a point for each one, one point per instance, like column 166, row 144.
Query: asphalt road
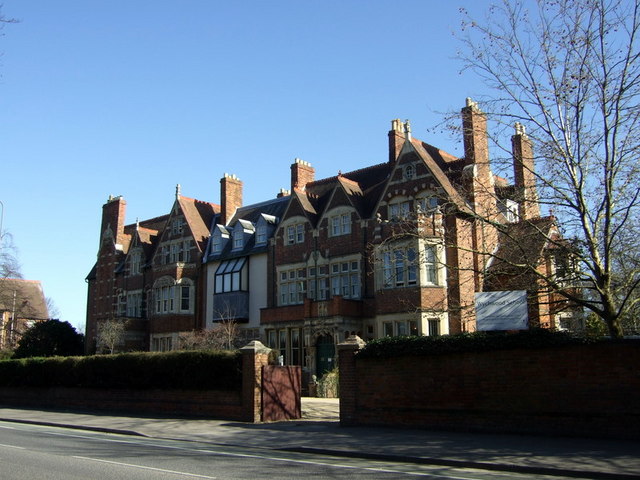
column 51, row 453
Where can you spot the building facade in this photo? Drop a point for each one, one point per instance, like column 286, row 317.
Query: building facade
column 400, row 247
column 148, row 274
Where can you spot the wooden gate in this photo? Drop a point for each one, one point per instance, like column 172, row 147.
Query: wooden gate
column 281, row 392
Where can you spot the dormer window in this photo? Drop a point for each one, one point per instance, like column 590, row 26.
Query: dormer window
column 241, row 232
column 219, row 238
column 216, row 244
column 261, row 235
column 238, row 241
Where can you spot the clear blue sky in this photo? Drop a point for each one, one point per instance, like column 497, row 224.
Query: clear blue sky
column 131, row 97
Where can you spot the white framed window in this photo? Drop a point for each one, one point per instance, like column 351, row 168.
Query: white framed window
column 173, row 297
column 184, row 290
column 261, row 235
column 400, row 210
column 409, row 172
column 431, row 264
column 427, row 204
column 295, row 234
column 434, row 327
column 340, row 278
column 186, row 250
column 340, row 224
column 136, row 263
column 134, row 304
column 400, row 328
column 292, row 286
column 400, row 267
column 216, row 244
column 162, row 343
column 238, row 241
column 177, row 226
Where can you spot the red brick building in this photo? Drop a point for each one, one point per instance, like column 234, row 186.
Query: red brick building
column 147, row 275
column 396, row 248
column 403, row 247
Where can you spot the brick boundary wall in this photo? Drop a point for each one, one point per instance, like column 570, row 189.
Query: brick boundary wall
column 244, row 404
column 588, row 390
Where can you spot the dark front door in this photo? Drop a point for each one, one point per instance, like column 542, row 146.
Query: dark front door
column 325, row 355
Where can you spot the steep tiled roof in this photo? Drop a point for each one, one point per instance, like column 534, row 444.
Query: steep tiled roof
column 29, row 298
column 440, row 176
column 199, row 216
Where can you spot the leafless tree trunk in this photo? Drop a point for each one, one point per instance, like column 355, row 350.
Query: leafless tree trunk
column 568, row 70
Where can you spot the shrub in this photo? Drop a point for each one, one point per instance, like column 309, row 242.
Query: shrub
column 468, row 342
column 197, row 370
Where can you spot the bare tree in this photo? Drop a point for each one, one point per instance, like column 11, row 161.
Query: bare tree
column 224, row 336
column 9, row 264
column 110, row 335
column 569, row 70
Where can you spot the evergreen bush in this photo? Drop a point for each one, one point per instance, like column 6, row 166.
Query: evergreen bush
column 468, row 342
column 199, row 370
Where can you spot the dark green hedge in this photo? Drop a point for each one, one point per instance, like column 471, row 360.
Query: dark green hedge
column 200, row 370
column 468, row 342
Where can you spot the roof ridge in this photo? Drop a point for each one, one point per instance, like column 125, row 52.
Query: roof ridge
column 358, row 171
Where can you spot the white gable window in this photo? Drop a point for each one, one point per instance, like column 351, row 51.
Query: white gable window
column 177, row 226
column 295, row 234
column 340, row 224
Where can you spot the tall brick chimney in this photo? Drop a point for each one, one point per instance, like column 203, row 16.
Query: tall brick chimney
column 301, row 173
column 230, row 196
column 524, row 174
column 113, row 216
column 396, row 139
column 479, row 183
column 476, row 154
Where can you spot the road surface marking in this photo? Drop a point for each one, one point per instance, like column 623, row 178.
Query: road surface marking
column 142, row 467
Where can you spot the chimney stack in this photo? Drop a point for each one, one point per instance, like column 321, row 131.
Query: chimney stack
column 476, row 154
column 301, row 173
column 230, row 197
column 396, row 139
column 113, row 216
column 524, row 174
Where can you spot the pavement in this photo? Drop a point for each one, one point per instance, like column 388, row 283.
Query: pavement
column 319, row 432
